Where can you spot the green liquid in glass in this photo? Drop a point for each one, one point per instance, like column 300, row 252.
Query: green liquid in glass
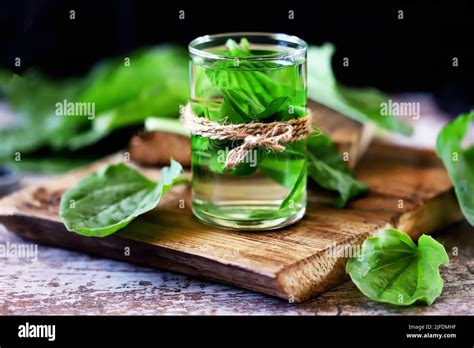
column 268, row 189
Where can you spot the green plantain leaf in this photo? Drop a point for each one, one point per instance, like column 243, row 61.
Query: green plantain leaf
column 392, row 269
column 109, row 199
column 459, row 161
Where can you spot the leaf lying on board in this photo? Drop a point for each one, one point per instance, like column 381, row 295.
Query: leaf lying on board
column 392, row 269
column 459, row 161
column 328, row 170
column 361, row 104
column 109, row 199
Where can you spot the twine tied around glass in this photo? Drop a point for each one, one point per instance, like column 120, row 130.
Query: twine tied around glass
column 253, row 135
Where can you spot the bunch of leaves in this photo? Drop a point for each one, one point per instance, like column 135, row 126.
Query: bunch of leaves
column 392, row 269
column 459, row 161
column 124, row 92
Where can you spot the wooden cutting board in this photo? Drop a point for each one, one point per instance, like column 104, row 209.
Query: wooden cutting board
column 409, row 190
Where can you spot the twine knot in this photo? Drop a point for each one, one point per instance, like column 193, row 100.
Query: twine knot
column 253, row 135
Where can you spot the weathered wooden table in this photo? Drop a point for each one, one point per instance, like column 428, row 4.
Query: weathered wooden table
column 70, row 283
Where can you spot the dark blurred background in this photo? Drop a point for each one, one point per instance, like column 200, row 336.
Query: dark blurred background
column 396, row 55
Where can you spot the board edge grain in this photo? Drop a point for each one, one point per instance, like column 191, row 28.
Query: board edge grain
column 163, row 258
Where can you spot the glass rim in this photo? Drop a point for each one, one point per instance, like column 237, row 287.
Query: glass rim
column 276, row 36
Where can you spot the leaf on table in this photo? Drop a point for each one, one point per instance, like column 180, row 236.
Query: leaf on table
column 459, row 161
column 392, row 269
column 109, row 199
